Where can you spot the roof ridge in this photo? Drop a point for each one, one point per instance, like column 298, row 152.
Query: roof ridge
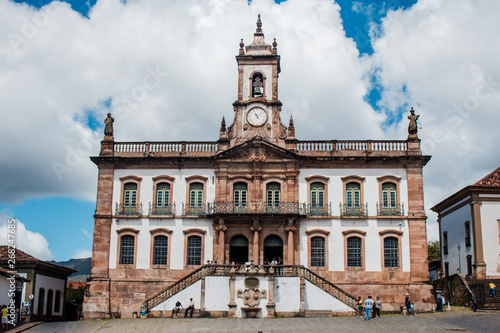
column 490, row 180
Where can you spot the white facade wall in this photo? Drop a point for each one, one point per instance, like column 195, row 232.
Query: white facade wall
column 47, row 282
column 490, row 225
column 4, row 290
column 317, row 299
column 217, row 293
column 287, row 294
column 193, row 291
column 454, row 225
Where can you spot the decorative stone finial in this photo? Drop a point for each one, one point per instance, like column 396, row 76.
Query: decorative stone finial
column 259, row 25
column 413, row 127
column 291, row 129
column 242, row 45
column 223, row 131
column 275, row 50
column 108, row 129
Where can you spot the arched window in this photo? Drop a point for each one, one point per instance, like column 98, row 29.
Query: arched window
column 317, row 195
column 353, row 195
column 194, row 251
column 389, row 195
column 238, row 249
column 57, row 301
column 160, row 250
column 240, row 194
column 273, row 247
column 391, row 252
column 257, row 85
column 354, row 252
column 273, row 194
column 318, row 251
column 129, row 199
column 162, row 195
column 127, row 249
column 195, row 199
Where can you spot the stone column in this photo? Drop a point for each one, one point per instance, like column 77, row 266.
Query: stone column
column 221, row 228
column 479, row 264
column 256, row 251
column 202, row 296
column 290, row 229
column 232, row 304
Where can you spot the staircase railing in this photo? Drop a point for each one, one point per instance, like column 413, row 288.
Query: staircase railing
column 328, row 287
column 224, row 270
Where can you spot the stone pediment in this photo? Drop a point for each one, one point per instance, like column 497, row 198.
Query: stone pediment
column 259, row 150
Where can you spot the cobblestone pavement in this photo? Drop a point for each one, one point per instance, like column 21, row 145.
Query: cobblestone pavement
column 455, row 321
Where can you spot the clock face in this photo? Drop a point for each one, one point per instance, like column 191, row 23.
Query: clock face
column 257, row 117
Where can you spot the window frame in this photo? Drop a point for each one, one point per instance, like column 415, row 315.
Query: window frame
column 159, row 180
column 241, row 192
column 389, row 179
column 160, row 232
column 57, row 301
column 353, row 179
column 250, row 91
column 398, row 235
column 467, row 234
column 322, row 180
column 126, row 180
column 196, row 179
column 194, row 232
column 126, row 232
column 310, row 235
column 470, row 269
column 354, row 233
column 445, row 243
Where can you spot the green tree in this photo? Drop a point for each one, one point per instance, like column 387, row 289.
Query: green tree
column 434, row 250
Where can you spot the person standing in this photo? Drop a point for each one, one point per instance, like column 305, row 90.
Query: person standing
column 492, row 289
column 368, row 307
column 190, row 308
column 5, row 319
column 360, row 307
column 439, row 303
column 474, row 302
column 408, row 304
column 376, row 307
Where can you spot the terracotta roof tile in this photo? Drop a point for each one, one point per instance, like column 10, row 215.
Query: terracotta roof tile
column 491, row 180
column 21, row 256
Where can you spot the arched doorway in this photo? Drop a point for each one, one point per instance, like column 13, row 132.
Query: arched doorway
column 238, row 249
column 41, row 300
column 273, row 247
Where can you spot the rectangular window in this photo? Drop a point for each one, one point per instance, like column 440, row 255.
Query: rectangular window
column 354, row 252
column 160, row 250
column 391, row 252
column 127, row 247
column 469, row 264
column 446, row 269
column 445, row 242
column 317, row 251
column 194, row 251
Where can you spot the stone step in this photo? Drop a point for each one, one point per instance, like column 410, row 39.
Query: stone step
column 318, row 313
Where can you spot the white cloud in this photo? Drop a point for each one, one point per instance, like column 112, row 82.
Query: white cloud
column 86, row 233
column 28, row 241
column 444, row 53
column 81, row 254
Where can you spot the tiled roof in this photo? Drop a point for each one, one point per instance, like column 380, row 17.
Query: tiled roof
column 21, row 256
column 491, row 180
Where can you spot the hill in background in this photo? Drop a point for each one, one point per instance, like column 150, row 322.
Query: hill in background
column 81, row 265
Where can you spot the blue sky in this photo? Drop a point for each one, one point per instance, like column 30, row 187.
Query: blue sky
column 382, row 50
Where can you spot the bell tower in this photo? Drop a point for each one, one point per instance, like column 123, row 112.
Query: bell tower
column 257, row 110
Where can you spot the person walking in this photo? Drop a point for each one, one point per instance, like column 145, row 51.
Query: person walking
column 5, row 319
column 376, row 307
column 368, row 307
column 360, row 307
column 492, row 289
column 474, row 302
column 408, row 305
column 190, row 308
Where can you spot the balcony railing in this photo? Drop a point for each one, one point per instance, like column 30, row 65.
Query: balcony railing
column 390, row 211
column 188, row 210
column 161, row 210
column 257, row 207
column 361, row 211
column 315, row 210
column 128, row 210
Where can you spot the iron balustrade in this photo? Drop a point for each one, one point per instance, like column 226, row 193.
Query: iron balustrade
column 257, row 207
column 356, row 211
column 161, row 210
column 390, row 211
column 128, row 210
column 197, row 210
column 316, row 210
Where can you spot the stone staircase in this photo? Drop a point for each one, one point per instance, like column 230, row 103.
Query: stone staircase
column 227, row 270
column 482, row 290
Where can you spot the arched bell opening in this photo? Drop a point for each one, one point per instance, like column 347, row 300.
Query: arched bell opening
column 273, row 248
column 238, row 250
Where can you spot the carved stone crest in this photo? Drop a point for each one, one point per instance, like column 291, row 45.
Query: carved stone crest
column 251, row 296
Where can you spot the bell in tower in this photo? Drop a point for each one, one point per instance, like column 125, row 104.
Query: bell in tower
column 257, row 85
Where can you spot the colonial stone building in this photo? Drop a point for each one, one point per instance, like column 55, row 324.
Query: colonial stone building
column 347, row 218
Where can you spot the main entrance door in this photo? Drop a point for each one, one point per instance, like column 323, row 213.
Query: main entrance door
column 238, row 250
column 273, row 248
